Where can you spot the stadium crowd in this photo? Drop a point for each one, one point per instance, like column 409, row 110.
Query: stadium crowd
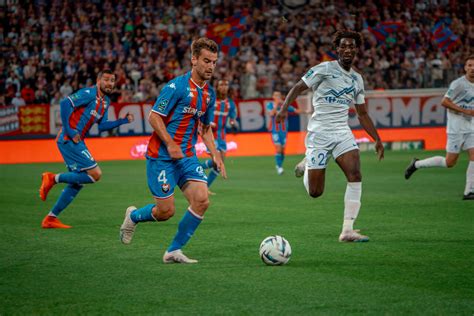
column 50, row 49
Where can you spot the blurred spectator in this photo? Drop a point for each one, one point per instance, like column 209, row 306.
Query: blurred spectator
column 57, row 47
column 28, row 94
column 18, row 100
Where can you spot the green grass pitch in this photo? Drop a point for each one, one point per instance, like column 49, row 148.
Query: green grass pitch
column 419, row 260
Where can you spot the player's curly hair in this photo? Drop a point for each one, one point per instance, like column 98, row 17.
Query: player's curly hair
column 203, row 43
column 339, row 35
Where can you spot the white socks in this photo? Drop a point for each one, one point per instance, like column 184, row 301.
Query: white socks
column 469, row 178
column 351, row 204
column 305, row 179
column 436, row 161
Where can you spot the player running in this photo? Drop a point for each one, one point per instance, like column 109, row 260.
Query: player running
column 171, row 157
column 279, row 130
column 459, row 100
column 225, row 111
column 336, row 86
column 79, row 112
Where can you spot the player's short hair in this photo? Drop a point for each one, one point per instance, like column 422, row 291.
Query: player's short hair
column 469, row 58
column 105, row 71
column 339, row 35
column 203, row 43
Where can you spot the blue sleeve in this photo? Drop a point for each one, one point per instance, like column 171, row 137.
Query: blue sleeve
column 66, row 109
column 291, row 109
column 105, row 125
column 208, row 117
column 81, row 97
column 167, row 99
column 232, row 110
column 270, row 106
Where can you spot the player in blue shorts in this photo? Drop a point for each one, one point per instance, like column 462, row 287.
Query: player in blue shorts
column 79, row 112
column 182, row 105
column 279, row 130
column 225, row 110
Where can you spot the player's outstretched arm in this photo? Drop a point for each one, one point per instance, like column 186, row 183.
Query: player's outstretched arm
column 449, row 104
column 105, row 125
column 159, row 127
column 208, row 140
column 297, row 89
column 369, row 127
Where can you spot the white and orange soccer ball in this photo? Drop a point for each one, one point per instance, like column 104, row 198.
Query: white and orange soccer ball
column 275, row 250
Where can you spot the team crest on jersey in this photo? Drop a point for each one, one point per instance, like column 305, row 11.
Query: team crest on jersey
column 165, row 187
column 74, row 97
column 163, row 104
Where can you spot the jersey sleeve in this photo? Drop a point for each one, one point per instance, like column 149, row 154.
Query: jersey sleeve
column 453, row 90
column 291, row 109
column 232, row 109
column 167, row 99
column 208, row 117
column 315, row 75
column 81, row 98
column 360, row 93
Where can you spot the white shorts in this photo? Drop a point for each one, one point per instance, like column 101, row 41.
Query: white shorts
column 456, row 142
column 321, row 146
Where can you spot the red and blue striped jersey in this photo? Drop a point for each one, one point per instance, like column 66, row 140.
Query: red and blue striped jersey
column 88, row 108
column 182, row 104
column 224, row 109
column 274, row 126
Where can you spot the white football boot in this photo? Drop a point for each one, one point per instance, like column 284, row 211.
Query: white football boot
column 352, row 236
column 299, row 168
column 177, row 256
column 128, row 227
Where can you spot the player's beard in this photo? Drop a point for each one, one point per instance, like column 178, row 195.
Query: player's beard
column 104, row 89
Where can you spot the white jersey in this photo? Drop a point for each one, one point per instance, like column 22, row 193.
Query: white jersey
column 461, row 92
column 334, row 90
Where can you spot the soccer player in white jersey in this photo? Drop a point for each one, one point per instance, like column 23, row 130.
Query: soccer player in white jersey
column 459, row 101
column 336, row 86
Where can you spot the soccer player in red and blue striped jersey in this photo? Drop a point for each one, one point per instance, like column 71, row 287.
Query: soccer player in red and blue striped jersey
column 225, row 111
column 279, row 130
column 79, row 112
column 183, row 104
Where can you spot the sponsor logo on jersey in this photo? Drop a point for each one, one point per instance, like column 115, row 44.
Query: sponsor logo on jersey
column 309, row 73
column 336, row 100
column 172, row 86
column 193, row 111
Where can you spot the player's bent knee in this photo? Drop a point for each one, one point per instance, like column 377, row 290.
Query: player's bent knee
column 450, row 163
column 200, row 205
column 163, row 213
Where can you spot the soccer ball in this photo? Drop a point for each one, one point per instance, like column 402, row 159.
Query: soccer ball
column 275, row 250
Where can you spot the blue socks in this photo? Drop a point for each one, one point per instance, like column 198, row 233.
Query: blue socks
column 186, row 228
column 279, row 159
column 143, row 214
column 213, row 174
column 75, row 178
column 66, row 197
column 207, row 164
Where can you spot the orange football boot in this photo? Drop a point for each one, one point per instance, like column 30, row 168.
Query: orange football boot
column 47, row 182
column 53, row 222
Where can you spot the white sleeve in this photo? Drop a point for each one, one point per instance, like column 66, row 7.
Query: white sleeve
column 315, row 75
column 360, row 96
column 453, row 90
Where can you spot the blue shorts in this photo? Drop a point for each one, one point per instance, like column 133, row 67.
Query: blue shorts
column 220, row 144
column 164, row 175
column 279, row 138
column 76, row 156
